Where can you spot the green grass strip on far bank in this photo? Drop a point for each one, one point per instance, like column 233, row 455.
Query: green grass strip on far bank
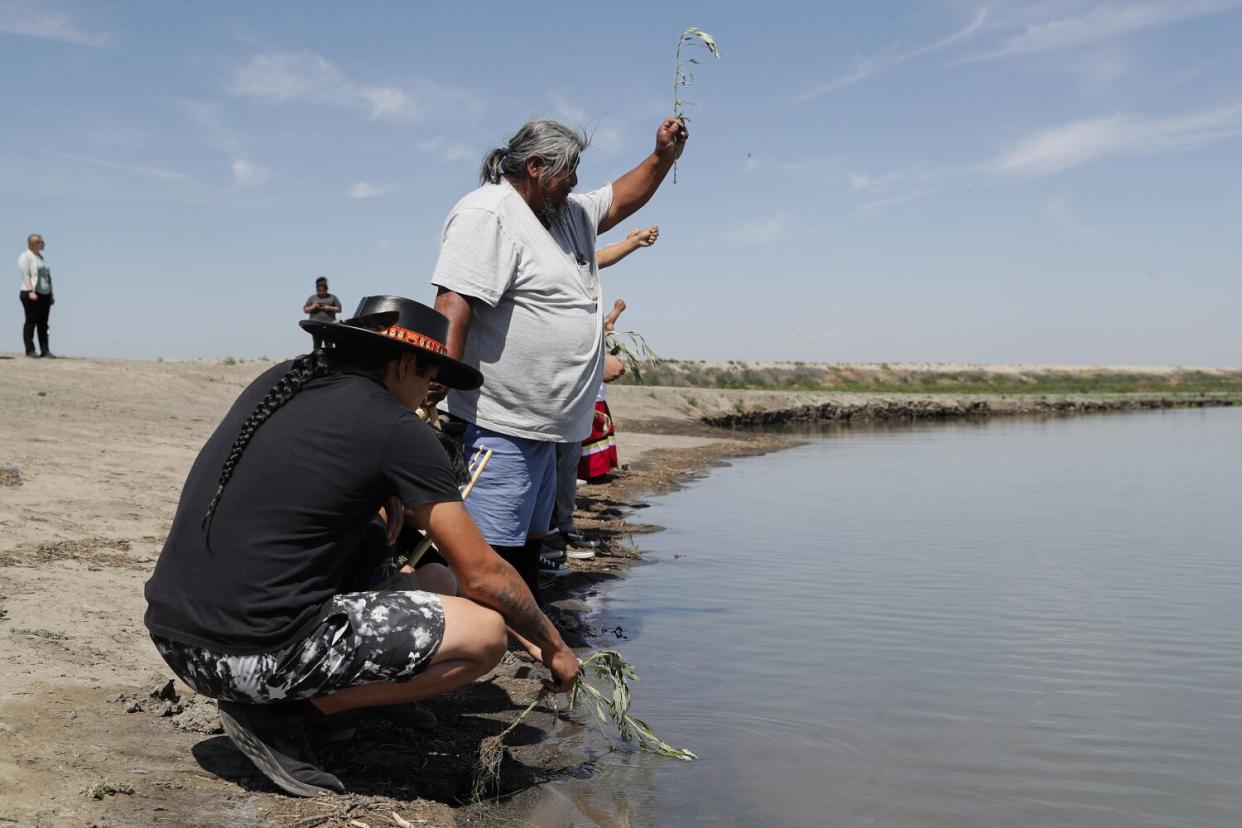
column 897, row 380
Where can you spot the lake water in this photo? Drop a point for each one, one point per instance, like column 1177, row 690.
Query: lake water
column 1016, row 623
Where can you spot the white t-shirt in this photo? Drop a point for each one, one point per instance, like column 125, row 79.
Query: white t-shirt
column 536, row 332
column 29, row 264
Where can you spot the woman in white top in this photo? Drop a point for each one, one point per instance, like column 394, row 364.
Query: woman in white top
column 36, row 295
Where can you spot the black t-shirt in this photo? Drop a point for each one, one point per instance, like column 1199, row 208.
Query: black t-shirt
column 289, row 523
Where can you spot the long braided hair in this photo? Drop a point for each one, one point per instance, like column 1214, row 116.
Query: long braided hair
column 366, row 360
column 304, row 369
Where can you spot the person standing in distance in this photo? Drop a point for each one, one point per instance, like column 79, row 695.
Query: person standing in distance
column 36, row 295
column 517, row 278
column 321, row 307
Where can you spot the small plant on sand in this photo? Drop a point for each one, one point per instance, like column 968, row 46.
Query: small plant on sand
column 612, row 706
column 51, row 635
column 683, row 76
column 101, row 789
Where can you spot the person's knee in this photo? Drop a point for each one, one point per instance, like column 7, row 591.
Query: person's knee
column 437, row 578
column 473, row 633
column 493, row 638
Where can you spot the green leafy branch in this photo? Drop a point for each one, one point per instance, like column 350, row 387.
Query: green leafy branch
column 611, row 706
column 614, row 707
column 632, row 347
column 683, row 75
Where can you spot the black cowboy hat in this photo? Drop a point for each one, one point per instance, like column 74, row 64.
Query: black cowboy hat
column 404, row 325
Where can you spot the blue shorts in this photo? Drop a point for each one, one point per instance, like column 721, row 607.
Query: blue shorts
column 513, row 498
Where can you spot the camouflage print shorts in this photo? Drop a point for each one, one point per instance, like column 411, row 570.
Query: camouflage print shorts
column 364, row 637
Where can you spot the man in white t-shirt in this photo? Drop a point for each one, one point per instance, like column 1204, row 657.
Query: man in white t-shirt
column 518, row 280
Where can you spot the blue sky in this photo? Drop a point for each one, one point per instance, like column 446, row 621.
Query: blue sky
column 1004, row 182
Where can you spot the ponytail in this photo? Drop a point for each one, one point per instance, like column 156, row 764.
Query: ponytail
column 493, row 166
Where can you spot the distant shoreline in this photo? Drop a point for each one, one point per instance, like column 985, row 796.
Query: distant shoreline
column 934, row 378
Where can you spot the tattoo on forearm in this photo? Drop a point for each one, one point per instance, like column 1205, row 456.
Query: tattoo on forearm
column 519, row 609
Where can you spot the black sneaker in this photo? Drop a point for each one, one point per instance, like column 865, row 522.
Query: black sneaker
column 576, row 538
column 274, row 737
column 551, row 552
column 48, row 355
column 32, row 355
column 552, row 568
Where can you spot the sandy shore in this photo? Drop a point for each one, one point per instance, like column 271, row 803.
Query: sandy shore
column 92, row 457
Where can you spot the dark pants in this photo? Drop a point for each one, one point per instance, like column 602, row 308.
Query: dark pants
column 36, row 317
column 525, row 559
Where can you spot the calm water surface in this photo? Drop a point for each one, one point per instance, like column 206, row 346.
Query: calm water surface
column 1022, row 623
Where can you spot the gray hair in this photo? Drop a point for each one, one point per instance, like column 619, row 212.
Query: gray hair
column 558, row 146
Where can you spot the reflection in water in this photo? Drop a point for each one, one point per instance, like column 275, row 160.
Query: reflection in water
column 1024, row 623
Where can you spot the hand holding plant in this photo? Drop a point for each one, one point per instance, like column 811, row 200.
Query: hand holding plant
column 671, row 139
column 611, row 707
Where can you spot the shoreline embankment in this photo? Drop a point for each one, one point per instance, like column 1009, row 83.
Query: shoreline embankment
column 900, row 408
column 688, row 410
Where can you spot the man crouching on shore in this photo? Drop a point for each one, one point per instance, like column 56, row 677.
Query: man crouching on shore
column 244, row 603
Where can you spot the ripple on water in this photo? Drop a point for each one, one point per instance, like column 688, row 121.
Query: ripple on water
column 851, row 772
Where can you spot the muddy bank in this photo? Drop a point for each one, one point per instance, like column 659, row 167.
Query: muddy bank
column 911, row 409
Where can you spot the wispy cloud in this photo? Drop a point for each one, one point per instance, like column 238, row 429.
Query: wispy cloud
column 306, row 77
column 878, row 204
column 862, row 182
column 25, row 20
column 761, row 230
column 1066, row 218
column 1055, row 149
column 1104, row 22
column 891, row 189
column 291, row 76
column 885, row 61
column 230, row 143
column 1060, row 148
column 365, row 189
column 248, row 174
column 388, row 102
column 451, row 151
column 156, row 171
column 211, row 129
